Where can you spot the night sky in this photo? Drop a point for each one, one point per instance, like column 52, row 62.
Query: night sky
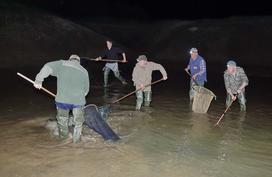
column 150, row 9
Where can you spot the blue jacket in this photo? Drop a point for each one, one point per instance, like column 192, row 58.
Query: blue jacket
column 198, row 66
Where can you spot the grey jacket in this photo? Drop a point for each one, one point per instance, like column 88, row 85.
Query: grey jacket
column 72, row 80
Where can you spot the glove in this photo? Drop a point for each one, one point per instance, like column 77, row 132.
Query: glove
column 37, row 86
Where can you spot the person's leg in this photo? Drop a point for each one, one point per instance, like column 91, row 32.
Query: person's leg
column 106, row 76
column 62, row 117
column 139, row 101
column 78, row 114
column 118, row 76
column 147, row 98
column 242, row 101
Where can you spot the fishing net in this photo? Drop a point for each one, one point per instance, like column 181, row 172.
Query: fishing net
column 94, row 120
column 104, row 111
column 202, row 99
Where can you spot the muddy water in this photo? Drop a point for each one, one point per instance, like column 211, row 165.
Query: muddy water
column 166, row 140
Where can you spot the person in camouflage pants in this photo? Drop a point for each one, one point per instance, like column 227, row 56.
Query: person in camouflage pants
column 235, row 82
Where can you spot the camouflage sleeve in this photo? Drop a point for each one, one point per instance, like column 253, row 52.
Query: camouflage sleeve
column 243, row 76
column 227, row 84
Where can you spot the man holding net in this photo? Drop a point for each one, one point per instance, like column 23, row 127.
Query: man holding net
column 197, row 67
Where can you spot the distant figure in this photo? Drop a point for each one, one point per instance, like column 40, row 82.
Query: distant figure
column 235, row 82
column 112, row 53
column 141, row 76
column 72, row 87
column 197, row 67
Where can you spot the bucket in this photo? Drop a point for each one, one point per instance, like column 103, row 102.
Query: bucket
column 202, row 99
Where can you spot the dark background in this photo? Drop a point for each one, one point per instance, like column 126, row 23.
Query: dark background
column 153, row 10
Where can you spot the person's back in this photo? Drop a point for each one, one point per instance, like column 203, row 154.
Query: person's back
column 72, row 83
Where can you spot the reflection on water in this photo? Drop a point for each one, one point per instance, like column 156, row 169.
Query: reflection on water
column 164, row 140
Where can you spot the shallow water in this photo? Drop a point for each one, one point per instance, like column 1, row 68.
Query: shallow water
column 167, row 139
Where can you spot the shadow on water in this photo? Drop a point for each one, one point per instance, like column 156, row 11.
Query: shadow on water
column 167, row 139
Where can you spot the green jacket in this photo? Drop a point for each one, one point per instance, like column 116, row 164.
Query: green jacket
column 72, row 80
column 233, row 82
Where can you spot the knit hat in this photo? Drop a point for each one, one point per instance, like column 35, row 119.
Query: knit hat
column 231, row 63
column 73, row 56
column 141, row 57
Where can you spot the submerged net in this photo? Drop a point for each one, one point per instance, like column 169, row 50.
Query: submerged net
column 202, row 99
column 104, row 111
column 94, row 120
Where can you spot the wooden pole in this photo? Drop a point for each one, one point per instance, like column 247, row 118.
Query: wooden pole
column 106, row 60
column 44, row 89
column 223, row 114
column 137, row 90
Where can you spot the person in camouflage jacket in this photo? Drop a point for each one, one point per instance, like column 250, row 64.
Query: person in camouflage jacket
column 235, row 80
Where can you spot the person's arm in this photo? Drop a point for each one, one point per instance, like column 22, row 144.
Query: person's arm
column 244, row 80
column 156, row 66
column 134, row 76
column 188, row 66
column 120, row 51
column 202, row 67
column 102, row 54
column 227, row 85
column 50, row 68
column 87, row 84
column 124, row 57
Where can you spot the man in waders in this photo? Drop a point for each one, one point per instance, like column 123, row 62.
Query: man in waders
column 141, row 76
column 197, row 67
column 72, row 87
column 112, row 53
column 235, row 82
